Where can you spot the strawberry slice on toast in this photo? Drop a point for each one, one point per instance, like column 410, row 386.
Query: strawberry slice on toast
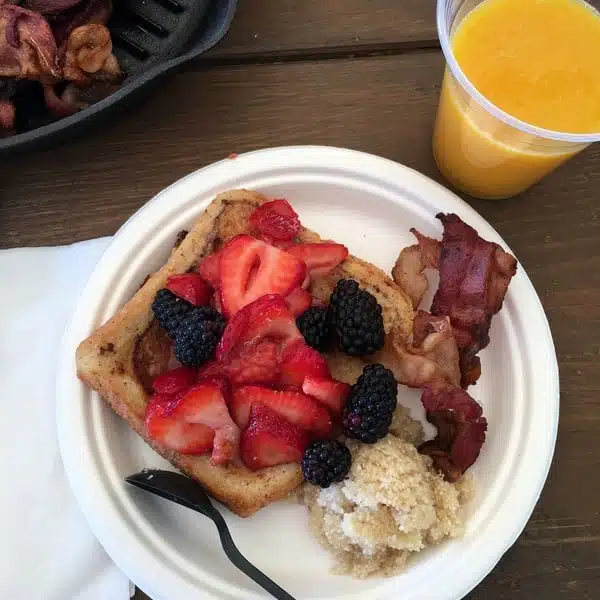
column 298, row 361
column 270, row 440
column 297, row 408
column 330, row 392
column 191, row 287
column 251, row 268
column 276, row 220
column 320, row 258
column 175, row 434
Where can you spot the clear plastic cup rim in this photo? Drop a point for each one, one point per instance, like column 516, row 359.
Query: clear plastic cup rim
column 457, row 72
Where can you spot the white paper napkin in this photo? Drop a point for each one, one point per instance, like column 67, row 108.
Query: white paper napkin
column 48, row 551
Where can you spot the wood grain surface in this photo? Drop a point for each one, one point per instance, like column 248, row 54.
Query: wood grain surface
column 316, row 26
column 238, row 101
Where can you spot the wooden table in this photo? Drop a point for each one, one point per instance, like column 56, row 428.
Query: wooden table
column 363, row 74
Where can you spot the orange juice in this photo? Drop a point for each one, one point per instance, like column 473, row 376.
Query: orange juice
column 535, row 60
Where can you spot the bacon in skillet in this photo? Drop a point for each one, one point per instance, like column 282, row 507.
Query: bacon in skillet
column 27, row 46
column 88, row 55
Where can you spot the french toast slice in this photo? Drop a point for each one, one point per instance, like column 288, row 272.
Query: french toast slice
column 118, row 359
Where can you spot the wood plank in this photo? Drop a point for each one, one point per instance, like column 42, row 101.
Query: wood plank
column 386, row 106
column 289, row 28
column 286, row 27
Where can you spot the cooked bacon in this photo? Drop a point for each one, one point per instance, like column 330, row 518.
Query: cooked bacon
column 84, row 13
column 461, row 429
column 7, row 117
column 474, row 278
column 7, row 107
column 58, row 104
column 433, row 355
column 89, row 54
column 408, row 272
column 49, row 7
column 27, row 46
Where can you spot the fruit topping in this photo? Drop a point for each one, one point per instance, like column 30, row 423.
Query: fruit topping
column 315, row 325
column 208, row 268
column 298, row 361
column 370, row 407
column 328, row 391
column 298, row 301
column 169, row 310
column 297, row 408
column 174, row 381
column 250, row 268
column 326, row 462
column 205, row 404
column 320, row 258
column 198, row 335
column 255, row 363
column 276, row 220
column 357, row 319
column 268, row 317
column 174, row 434
column 211, row 370
column 190, row 287
column 270, row 440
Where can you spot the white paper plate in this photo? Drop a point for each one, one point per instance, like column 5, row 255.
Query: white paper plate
column 369, row 204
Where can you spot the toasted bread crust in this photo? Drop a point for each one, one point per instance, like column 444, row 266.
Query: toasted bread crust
column 108, row 359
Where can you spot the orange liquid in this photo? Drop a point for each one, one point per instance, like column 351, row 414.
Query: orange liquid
column 537, row 60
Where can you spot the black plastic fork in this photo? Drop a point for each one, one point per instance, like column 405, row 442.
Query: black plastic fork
column 182, row 490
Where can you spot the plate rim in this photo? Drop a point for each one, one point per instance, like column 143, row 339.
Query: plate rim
column 360, row 161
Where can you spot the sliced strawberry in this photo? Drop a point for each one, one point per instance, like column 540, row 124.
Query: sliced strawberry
column 205, row 403
column 298, row 361
column 191, row 287
column 211, row 370
column 208, row 268
column 174, row 381
column 256, row 363
column 268, row 317
column 276, row 220
column 321, row 258
column 279, row 244
column 271, row 440
column 216, row 301
column 298, row 301
column 328, row 391
column 174, row 434
column 250, row 268
column 297, row 408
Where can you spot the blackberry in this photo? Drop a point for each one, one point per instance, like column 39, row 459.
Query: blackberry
column 357, row 319
column 315, row 326
column 368, row 413
column 169, row 310
column 326, row 462
column 198, row 335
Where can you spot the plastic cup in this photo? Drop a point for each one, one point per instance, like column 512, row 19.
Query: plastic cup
column 480, row 149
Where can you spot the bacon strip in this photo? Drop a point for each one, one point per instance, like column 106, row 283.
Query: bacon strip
column 408, row 272
column 433, row 355
column 27, row 46
column 89, row 55
column 474, row 278
column 461, row 429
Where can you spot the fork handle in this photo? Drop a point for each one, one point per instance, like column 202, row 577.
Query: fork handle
column 237, row 558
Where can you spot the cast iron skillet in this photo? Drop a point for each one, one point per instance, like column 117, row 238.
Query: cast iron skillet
column 151, row 38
